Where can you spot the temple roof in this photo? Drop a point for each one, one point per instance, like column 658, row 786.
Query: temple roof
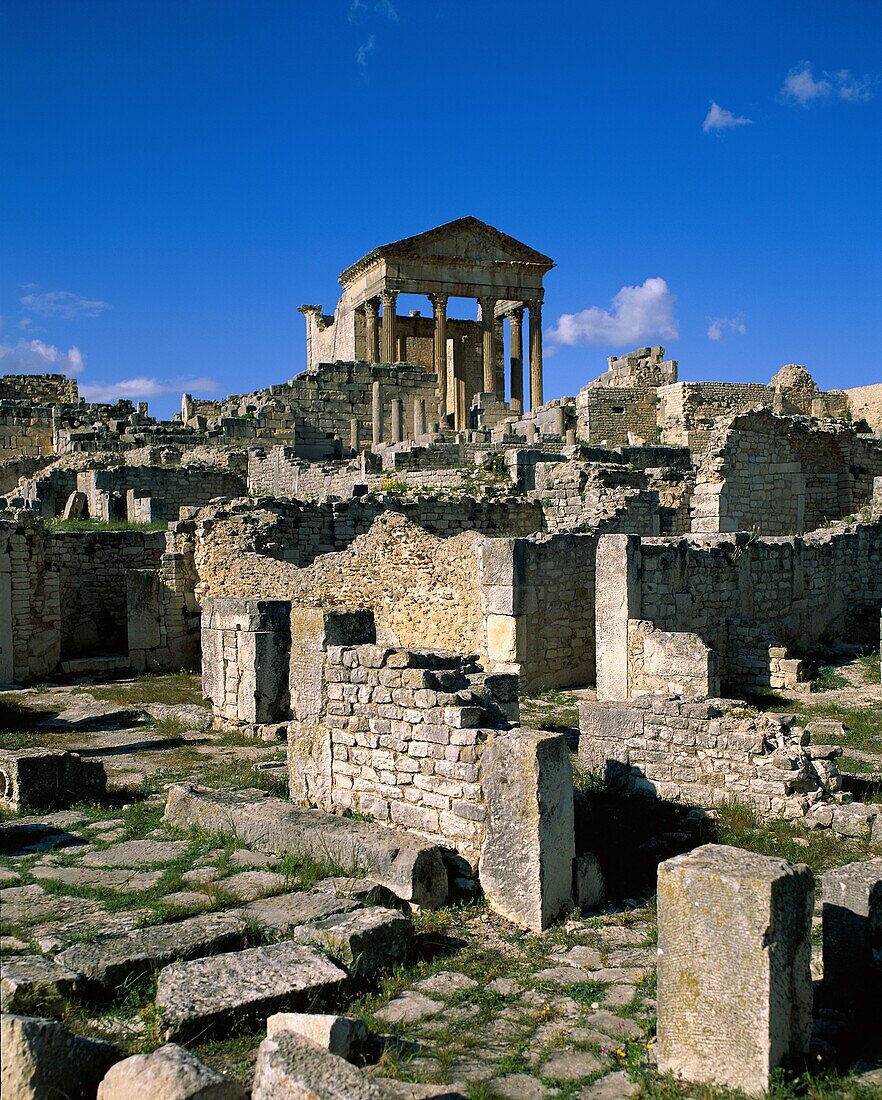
column 465, row 239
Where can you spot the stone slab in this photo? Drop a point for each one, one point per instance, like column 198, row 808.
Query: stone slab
column 340, row 1035
column 411, row 868
column 364, row 941
column 111, row 960
column 136, row 853
column 33, row 983
column 207, row 994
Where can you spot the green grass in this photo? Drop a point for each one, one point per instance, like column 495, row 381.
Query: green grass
column 63, row 525
column 827, row 678
column 868, row 665
column 170, row 688
column 550, row 710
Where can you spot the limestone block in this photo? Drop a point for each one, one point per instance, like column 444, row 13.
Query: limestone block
column 290, row 1067
column 734, row 987
column 851, row 917
column 362, row 942
column 169, row 1073
column 75, row 507
column 38, row 1054
column 617, row 599
column 340, row 1035
column 29, row 983
column 44, row 778
column 195, row 997
column 589, row 888
column 526, row 863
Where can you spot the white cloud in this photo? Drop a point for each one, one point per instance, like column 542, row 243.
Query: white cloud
column 717, row 326
column 63, row 304
column 718, row 118
column 638, row 314
column 35, row 357
column 361, row 54
column 140, row 389
column 357, row 11
column 385, row 7
column 801, row 87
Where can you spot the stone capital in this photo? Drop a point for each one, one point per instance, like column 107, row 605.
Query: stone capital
column 372, row 306
column 439, row 302
column 389, row 298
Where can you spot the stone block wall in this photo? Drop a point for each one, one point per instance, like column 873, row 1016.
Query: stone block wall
column 92, row 568
column 39, row 389
column 30, row 600
column 615, row 416
column 739, row 594
column 162, row 617
column 173, row 487
column 707, row 753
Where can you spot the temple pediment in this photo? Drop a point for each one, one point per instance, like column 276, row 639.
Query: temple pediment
column 466, row 240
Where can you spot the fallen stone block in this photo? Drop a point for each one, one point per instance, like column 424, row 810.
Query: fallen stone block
column 413, row 869
column 734, row 986
column 282, row 912
column 363, row 942
column 110, row 960
column 39, row 1055
column 526, row 867
column 48, row 778
column 190, row 715
column 207, row 994
column 290, row 1067
column 75, row 505
column 170, row 1073
column 589, row 889
column 851, row 916
column 33, row 983
column 340, row 1035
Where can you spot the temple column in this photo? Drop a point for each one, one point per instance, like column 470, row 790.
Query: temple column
column 439, row 308
column 377, row 413
column 372, row 329
column 389, row 346
column 489, row 330
column 419, row 415
column 535, row 307
column 397, row 420
column 499, row 357
column 516, row 358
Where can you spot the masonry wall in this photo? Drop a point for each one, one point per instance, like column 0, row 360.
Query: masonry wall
column 91, row 568
column 708, row 753
column 169, row 487
column 30, row 600
column 740, row 594
column 614, row 415
column 865, row 403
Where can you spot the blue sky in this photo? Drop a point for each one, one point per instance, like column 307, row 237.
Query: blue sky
column 177, row 176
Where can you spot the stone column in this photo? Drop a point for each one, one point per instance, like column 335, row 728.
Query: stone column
column 535, row 308
column 516, row 358
column 397, row 420
column 419, row 417
column 489, row 330
column 499, row 357
column 354, row 436
column 377, row 410
column 372, row 329
column 734, row 947
column 389, row 347
column 439, row 308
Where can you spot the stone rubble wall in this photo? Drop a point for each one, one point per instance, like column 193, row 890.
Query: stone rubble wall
column 30, row 600
column 169, row 488
column 708, row 753
column 162, row 616
column 865, row 403
column 39, row 389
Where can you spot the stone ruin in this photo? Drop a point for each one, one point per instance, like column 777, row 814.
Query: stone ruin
column 371, row 564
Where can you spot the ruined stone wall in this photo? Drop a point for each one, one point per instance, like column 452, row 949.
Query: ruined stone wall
column 39, row 389
column 92, row 567
column 578, row 495
column 25, row 430
column 169, row 487
column 865, row 403
column 615, row 416
column 739, row 594
column 687, row 410
column 30, row 600
column 780, row 475
column 325, row 400
column 13, row 470
column 407, row 733
column 708, row 753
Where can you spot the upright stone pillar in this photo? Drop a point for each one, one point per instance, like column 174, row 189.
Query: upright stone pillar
column 246, row 646
column 516, row 358
column 851, row 917
column 390, row 343
column 526, row 866
column 419, row 417
column 377, row 412
column 499, row 357
column 397, row 420
column 488, row 328
column 535, row 353
column 617, row 598
column 354, row 435
column 439, row 308
column 372, row 329
column 734, row 947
